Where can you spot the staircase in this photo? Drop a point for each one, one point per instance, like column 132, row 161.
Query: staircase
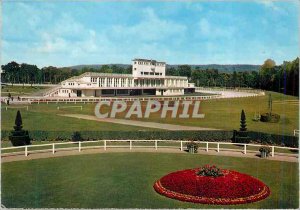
column 52, row 92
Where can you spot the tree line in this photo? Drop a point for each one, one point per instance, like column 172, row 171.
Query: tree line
column 280, row 78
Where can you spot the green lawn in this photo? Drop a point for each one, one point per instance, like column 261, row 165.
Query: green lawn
column 124, row 180
column 20, row 90
column 225, row 114
column 220, row 113
column 43, row 117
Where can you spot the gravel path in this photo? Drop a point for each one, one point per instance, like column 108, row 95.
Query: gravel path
column 164, row 126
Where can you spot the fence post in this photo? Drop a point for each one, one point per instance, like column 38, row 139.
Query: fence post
column 181, row 147
column 156, row 144
column 6, row 108
column 26, row 152
column 206, row 146
column 130, row 144
column 27, row 108
column 53, row 148
column 272, row 151
column 218, row 147
column 104, row 144
column 79, row 146
column 245, row 148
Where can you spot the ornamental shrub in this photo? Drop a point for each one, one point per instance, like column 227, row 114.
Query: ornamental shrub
column 208, row 170
column 265, row 149
column 76, row 136
column 270, row 117
column 191, row 145
column 243, row 121
column 18, row 136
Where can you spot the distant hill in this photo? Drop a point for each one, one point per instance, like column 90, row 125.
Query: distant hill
column 220, row 67
column 97, row 66
column 225, row 67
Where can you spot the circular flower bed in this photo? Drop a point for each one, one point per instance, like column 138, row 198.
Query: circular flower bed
column 227, row 187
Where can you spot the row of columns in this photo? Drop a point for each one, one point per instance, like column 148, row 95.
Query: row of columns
column 128, row 82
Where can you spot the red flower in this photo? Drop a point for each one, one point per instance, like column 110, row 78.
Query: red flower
column 230, row 188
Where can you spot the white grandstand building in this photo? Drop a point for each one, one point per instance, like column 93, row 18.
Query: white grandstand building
column 148, row 78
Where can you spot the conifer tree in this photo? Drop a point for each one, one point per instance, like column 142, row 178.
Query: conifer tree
column 243, row 122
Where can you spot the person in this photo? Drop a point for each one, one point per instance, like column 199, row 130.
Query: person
column 7, row 102
column 19, row 98
column 12, row 98
column 69, row 95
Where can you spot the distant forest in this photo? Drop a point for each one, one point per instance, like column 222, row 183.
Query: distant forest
column 282, row 78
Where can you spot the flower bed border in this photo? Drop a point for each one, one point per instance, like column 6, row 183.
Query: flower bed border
column 264, row 193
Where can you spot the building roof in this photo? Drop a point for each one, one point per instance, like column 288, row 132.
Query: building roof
column 96, row 74
column 147, row 60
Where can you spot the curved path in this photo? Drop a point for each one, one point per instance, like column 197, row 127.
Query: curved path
column 61, row 153
column 165, row 126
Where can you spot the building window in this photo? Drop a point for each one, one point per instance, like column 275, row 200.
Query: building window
column 116, row 81
column 109, row 81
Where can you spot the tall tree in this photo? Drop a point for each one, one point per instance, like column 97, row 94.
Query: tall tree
column 185, row 70
column 12, row 72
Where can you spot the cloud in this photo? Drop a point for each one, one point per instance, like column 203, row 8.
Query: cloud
column 213, row 31
column 150, row 28
column 273, row 6
column 195, row 6
column 61, row 36
column 205, row 27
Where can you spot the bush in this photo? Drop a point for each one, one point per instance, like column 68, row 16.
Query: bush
column 18, row 136
column 266, row 150
column 192, row 145
column 76, row 136
column 208, row 170
column 267, row 117
column 197, row 136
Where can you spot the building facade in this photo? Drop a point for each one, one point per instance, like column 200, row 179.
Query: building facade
column 148, row 78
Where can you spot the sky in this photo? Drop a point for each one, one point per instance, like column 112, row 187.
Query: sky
column 67, row 33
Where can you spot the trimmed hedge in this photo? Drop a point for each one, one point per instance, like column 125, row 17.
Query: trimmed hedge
column 134, row 135
column 274, row 139
column 217, row 135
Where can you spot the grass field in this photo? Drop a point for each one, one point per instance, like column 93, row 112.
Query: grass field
column 124, row 180
column 43, row 117
column 20, row 90
column 221, row 114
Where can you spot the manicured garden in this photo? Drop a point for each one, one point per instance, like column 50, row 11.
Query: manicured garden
column 212, row 185
column 125, row 180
